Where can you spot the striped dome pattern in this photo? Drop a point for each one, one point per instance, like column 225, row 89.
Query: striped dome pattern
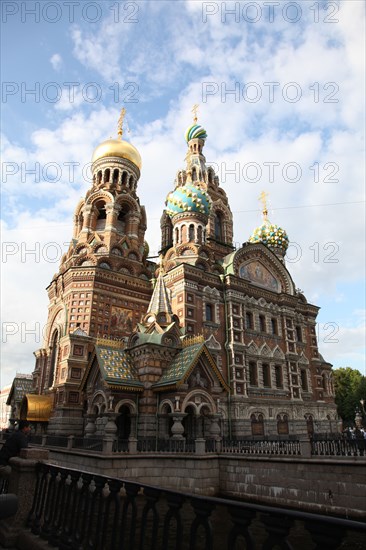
column 195, row 132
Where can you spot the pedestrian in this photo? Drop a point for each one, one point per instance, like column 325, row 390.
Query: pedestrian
column 12, row 447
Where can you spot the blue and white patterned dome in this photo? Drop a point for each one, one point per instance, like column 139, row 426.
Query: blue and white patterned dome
column 187, row 198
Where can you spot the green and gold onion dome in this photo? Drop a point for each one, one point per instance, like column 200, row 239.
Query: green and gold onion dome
column 188, row 198
column 272, row 236
column 195, row 131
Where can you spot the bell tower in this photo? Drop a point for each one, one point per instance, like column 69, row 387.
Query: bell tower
column 197, row 212
column 103, row 284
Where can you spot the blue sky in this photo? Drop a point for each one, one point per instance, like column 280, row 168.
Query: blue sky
column 281, row 94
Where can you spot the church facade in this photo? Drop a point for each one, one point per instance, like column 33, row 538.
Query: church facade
column 210, row 341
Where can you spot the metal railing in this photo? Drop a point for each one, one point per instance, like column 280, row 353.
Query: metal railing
column 338, row 446
column 288, row 448
column 77, row 510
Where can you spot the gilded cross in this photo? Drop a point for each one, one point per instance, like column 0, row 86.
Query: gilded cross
column 263, row 198
column 120, row 121
column 194, row 111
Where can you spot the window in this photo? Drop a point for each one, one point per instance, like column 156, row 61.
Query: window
column 298, row 334
column 282, row 424
column 257, row 423
column 262, row 323
column 304, row 380
column 278, row 376
column 266, row 375
column 274, row 326
column 218, row 226
column 209, row 312
column 253, row 380
column 248, row 320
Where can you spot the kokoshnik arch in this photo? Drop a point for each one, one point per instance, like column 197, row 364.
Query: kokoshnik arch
column 211, row 341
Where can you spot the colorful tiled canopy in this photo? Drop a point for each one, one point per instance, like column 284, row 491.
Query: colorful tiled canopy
column 183, row 364
column 117, row 367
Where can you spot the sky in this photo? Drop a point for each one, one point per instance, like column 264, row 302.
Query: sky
column 280, row 88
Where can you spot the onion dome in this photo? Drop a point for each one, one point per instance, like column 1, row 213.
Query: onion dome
column 195, row 131
column 117, row 148
column 188, row 198
column 272, row 236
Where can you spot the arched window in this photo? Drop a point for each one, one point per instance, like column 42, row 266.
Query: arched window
column 282, row 424
column 107, row 175
column 253, row 377
column 190, row 424
column 191, row 233
column 249, row 320
column 122, row 218
column 54, row 356
column 218, row 227
column 123, row 422
column 304, row 380
column 209, row 312
column 257, row 422
column 115, row 176
column 199, row 234
column 278, row 376
column 266, row 375
column 101, row 216
column 309, row 424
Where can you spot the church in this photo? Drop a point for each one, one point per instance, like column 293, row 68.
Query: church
column 210, row 341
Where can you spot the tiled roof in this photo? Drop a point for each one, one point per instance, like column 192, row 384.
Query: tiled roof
column 182, row 362
column 116, row 367
column 160, row 302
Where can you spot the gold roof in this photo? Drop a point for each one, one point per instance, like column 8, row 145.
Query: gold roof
column 117, row 148
column 36, row 408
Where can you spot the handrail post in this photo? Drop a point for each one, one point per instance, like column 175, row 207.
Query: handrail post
column 22, row 482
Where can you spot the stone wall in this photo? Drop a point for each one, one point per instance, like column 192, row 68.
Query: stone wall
column 334, row 486
column 199, row 475
column 327, row 486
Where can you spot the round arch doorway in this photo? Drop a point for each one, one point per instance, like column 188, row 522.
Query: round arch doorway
column 123, row 422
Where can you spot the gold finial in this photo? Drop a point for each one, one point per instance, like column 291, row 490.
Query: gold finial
column 263, row 198
column 194, row 111
column 161, row 268
column 120, row 122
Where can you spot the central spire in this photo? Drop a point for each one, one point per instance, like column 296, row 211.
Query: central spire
column 160, row 301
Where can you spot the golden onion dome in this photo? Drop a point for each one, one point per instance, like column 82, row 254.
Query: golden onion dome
column 117, row 148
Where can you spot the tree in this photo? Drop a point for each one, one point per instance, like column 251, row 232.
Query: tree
column 350, row 387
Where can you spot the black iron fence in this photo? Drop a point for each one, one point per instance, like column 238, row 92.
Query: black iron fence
column 326, row 446
column 77, row 510
column 338, row 447
column 245, row 446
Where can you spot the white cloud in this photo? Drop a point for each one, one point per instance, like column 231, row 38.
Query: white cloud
column 56, row 61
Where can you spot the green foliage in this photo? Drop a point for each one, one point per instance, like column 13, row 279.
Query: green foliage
column 350, row 387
